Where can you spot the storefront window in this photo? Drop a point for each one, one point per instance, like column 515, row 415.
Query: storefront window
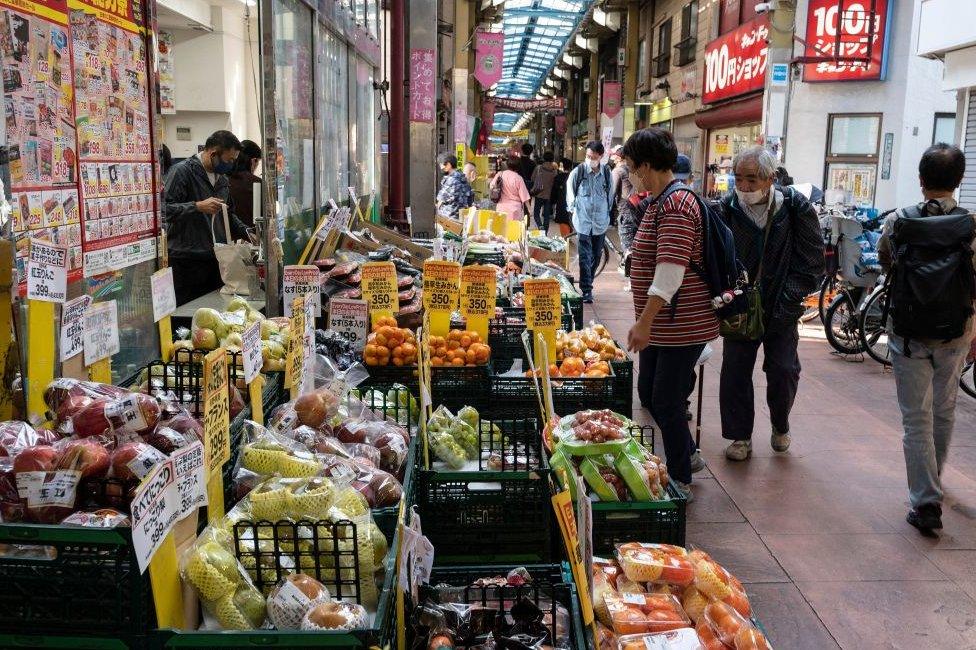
column 362, row 129
column 723, row 145
column 292, row 31
column 854, row 135
column 333, row 102
column 852, row 158
column 945, row 128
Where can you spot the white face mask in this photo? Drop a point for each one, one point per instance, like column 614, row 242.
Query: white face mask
column 751, row 198
column 594, row 164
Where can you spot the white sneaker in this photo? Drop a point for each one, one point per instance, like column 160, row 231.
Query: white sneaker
column 685, row 490
column 739, row 450
column 697, row 462
column 780, row 441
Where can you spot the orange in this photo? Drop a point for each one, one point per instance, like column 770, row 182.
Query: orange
column 397, row 361
column 465, row 341
column 453, row 345
column 471, row 357
column 437, row 361
column 458, row 361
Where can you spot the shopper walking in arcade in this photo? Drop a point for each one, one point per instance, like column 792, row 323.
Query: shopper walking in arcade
column 778, row 239
column 509, row 188
column 455, row 193
column 672, row 305
column 543, row 179
column 526, row 165
column 588, row 198
column 196, row 189
column 560, row 214
column 621, row 187
column 931, row 322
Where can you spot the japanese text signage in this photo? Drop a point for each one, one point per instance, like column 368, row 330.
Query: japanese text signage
column 73, row 326
column 855, row 31
column 735, row 63
column 297, row 281
column 101, row 331
column 350, row 319
column 379, row 286
column 543, row 304
column 251, row 351
column 422, row 85
column 516, row 104
column 163, row 293
column 442, row 282
column 47, row 272
column 216, row 409
column 611, row 98
column 478, row 291
column 489, row 50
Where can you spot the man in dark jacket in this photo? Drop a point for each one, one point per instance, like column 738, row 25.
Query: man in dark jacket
column 195, row 191
column 777, row 229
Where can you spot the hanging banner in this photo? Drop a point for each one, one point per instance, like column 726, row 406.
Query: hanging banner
column 856, row 31
column 422, row 85
column 611, row 98
column 514, row 135
column 735, row 63
column 516, row 104
column 489, row 48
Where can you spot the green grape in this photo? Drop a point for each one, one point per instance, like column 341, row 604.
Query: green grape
column 447, row 449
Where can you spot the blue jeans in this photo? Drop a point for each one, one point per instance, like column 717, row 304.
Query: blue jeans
column 927, row 384
column 544, row 207
column 590, row 254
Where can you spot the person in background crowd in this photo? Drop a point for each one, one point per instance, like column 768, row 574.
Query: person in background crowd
column 783, row 178
column 926, row 369
column 514, row 194
column 242, row 181
column 673, row 306
column 455, row 193
column 621, row 186
column 165, row 161
column 588, row 198
column 526, row 165
column 196, row 191
column 776, row 232
column 470, row 173
column 543, row 179
column 561, row 214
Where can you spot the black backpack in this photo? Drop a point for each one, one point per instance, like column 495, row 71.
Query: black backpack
column 578, row 180
column 931, row 286
column 723, row 272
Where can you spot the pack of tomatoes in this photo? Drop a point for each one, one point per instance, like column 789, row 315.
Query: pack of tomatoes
column 665, row 596
column 599, row 446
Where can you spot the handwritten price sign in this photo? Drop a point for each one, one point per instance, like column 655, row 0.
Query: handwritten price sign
column 543, row 304
column 47, row 272
column 350, row 318
column 101, row 331
column 478, row 291
column 216, row 409
column 73, row 326
column 442, row 285
column 379, row 284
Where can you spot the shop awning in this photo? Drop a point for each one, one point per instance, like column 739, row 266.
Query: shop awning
column 744, row 110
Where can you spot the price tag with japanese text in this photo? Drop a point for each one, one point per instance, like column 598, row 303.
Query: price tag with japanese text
column 543, row 313
column 379, row 285
column 295, row 365
column 442, row 286
column 155, row 509
column 478, row 286
column 350, row 319
column 47, row 272
column 163, row 293
column 216, row 409
column 101, row 331
column 298, row 281
column 73, row 326
column 251, row 351
column 189, row 468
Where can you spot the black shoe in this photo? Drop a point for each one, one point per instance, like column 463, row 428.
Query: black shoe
column 588, row 298
column 927, row 518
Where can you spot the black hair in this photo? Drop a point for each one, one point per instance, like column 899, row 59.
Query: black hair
column 548, row 157
column 783, row 178
column 596, row 147
column 223, row 140
column 942, row 167
column 566, row 163
column 513, row 163
column 165, row 159
column 527, row 149
column 653, row 146
column 250, row 152
column 449, row 159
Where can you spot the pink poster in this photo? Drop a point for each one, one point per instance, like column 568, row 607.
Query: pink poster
column 611, row 98
column 489, row 53
column 561, row 125
column 422, row 90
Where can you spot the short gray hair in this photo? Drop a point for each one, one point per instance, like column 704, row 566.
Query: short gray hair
column 765, row 161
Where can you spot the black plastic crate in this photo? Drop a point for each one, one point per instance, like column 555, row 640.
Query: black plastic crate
column 501, row 515
column 623, row 385
column 505, row 336
column 452, row 386
column 496, row 257
column 62, row 580
column 551, row 586
column 517, row 396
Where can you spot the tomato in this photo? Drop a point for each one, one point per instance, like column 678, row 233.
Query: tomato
column 707, row 637
column 629, row 621
column 725, row 621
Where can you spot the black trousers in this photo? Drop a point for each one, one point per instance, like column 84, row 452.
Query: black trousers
column 663, row 387
column 781, row 364
column 193, row 278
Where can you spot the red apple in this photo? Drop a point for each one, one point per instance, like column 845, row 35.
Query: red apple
column 92, row 420
column 133, row 460
column 236, row 401
column 15, row 436
column 129, row 417
column 72, row 405
column 36, row 459
column 311, row 410
column 85, row 455
column 187, row 425
column 167, row 440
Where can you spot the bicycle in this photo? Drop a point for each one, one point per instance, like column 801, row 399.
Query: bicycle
column 968, row 379
column 873, row 325
column 609, row 248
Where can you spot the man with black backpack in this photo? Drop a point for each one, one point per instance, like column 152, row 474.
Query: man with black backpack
column 927, row 251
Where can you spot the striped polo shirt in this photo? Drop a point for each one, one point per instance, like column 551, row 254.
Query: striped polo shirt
column 673, row 235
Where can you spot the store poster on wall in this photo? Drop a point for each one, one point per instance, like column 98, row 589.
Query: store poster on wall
column 39, row 124
column 115, row 157
column 167, row 75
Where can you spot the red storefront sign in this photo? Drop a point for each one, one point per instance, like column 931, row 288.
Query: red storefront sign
column 856, row 30
column 611, row 98
column 735, row 63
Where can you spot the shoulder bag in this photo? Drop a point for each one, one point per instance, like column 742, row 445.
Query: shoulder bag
column 749, row 325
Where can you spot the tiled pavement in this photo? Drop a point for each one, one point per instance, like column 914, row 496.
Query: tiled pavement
column 818, row 534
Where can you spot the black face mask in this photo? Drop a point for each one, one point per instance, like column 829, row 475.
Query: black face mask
column 220, row 166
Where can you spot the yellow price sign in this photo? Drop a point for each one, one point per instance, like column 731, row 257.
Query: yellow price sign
column 478, row 286
column 543, row 304
column 442, row 285
column 216, row 409
column 295, row 367
column 379, row 285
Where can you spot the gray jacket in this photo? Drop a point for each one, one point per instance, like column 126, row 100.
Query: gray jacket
column 188, row 233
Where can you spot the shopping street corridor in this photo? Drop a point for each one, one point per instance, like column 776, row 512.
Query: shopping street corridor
column 818, row 534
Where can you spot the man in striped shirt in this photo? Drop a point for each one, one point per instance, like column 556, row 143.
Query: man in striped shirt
column 673, row 307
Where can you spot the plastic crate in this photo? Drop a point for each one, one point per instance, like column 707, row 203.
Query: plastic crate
column 662, row 522
column 623, row 385
column 551, row 587
column 505, row 336
column 516, row 395
column 452, row 386
column 484, row 515
column 496, row 257
column 62, row 580
column 26, row 640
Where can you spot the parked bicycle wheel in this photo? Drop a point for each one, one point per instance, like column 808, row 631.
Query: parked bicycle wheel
column 604, row 259
column 828, row 291
column 841, row 325
column 872, row 327
column 968, row 380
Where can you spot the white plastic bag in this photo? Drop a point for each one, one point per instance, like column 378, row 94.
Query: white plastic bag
column 234, row 260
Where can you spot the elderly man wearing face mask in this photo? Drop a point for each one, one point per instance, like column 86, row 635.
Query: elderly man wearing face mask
column 777, row 237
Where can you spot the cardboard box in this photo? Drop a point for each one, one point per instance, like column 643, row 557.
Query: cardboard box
column 544, row 255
